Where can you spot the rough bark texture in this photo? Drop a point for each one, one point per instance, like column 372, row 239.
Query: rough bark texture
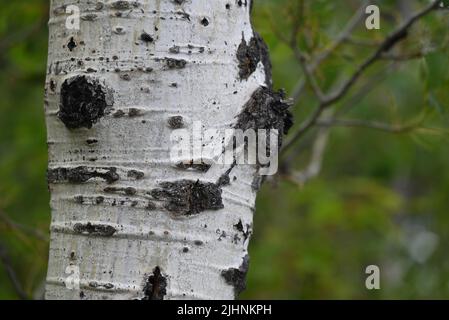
column 135, row 224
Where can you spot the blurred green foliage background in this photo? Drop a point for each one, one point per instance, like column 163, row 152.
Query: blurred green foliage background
column 381, row 198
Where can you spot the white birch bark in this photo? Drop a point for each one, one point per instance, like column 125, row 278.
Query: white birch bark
column 146, row 61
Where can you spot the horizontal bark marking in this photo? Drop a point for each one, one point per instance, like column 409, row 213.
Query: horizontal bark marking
column 89, row 286
column 94, row 229
column 113, row 202
column 118, row 114
column 134, row 174
column 129, row 191
column 188, row 197
column 134, row 112
column 198, row 243
column 175, row 63
column 96, row 284
column 81, row 174
column 124, row 5
column 201, row 167
column 91, row 141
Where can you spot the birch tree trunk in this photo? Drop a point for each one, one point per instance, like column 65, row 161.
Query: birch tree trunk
column 127, row 221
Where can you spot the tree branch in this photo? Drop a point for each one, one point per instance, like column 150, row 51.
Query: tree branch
column 357, row 123
column 314, row 167
column 345, row 33
column 330, row 99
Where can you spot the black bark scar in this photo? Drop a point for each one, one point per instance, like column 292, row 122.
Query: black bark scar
column 250, row 54
column 188, row 197
column 237, row 277
column 239, row 227
column 83, row 101
column 155, row 286
column 175, row 63
column 124, row 5
column 176, row 122
column 266, row 109
column 146, row 37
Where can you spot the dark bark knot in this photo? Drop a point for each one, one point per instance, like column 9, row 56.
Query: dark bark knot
column 205, row 22
column 72, row 44
column 137, row 175
column 239, row 227
column 237, row 277
column 188, row 197
column 146, row 37
column 155, row 286
column 83, row 101
column 176, row 122
column 266, row 110
column 249, row 54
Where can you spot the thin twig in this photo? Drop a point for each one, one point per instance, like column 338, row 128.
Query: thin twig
column 367, row 87
column 304, row 143
column 406, row 56
column 309, row 76
column 314, row 167
column 362, row 42
column 376, row 125
column 344, row 34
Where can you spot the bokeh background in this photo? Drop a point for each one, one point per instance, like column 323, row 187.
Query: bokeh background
column 381, row 197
